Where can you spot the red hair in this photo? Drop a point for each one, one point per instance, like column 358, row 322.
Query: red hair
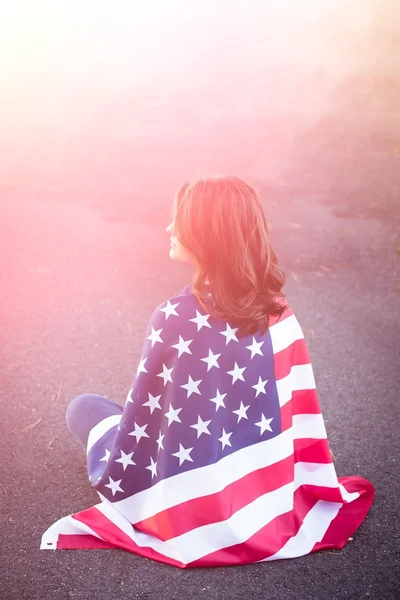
column 221, row 221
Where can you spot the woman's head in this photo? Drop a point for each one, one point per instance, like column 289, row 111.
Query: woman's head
column 220, row 226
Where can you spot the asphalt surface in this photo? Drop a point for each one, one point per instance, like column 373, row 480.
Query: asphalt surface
column 91, row 150
column 77, row 290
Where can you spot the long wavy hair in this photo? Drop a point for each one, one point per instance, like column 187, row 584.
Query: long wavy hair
column 221, row 221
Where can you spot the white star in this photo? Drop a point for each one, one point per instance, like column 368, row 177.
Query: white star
column 237, row 373
column 241, row 412
column 182, row 346
column 260, row 386
column 264, row 424
column 106, row 456
column 152, row 467
column 140, row 431
column 224, row 439
column 166, row 374
column 169, row 309
column 125, row 459
column 172, row 415
column 201, row 426
column 255, row 348
column 160, row 441
column 114, row 485
column 153, row 402
column 211, row 360
column 192, row 387
column 183, row 454
column 155, row 336
column 141, row 368
column 230, row 333
column 128, row 398
column 201, row 320
column 218, row 400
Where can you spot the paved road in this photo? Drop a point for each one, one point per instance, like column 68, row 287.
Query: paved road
column 77, row 290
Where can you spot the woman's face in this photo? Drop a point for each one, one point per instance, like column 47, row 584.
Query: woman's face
column 177, row 251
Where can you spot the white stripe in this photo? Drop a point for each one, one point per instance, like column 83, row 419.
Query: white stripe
column 313, row 529
column 244, row 523
column 348, row 496
column 306, row 473
column 309, row 426
column 66, row 526
column 97, row 432
column 140, row 538
column 301, row 377
column 213, row 478
column 205, row 480
column 284, row 333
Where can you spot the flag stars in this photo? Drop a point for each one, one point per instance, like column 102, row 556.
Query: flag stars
column 224, row 439
column 264, row 424
column 218, row 400
column 230, row 334
column 152, row 467
column 114, row 485
column 160, row 441
column 169, row 309
column 166, row 374
column 106, row 456
column 183, row 346
column 237, row 373
column 155, row 336
column 201, row 427
column 153, row 402
column 172, row 415
column 125, row 459
column 211, row 360
column 141, row 368
column 260, row 386
column 255, row 348
column 183, row 454
column 241, row 412
column 191, row 387
column 201, row 320
column 139, row 432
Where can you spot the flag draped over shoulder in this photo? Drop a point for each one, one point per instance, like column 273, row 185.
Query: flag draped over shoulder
column 220, row 456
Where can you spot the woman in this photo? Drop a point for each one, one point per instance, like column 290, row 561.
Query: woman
column 220, row 454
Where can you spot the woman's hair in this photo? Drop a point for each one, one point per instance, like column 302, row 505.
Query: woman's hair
column 221, row 221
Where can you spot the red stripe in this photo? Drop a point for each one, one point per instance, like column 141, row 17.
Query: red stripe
column 260, row 546
column 303, row 402
column 312, row 450
column 268, row 540
column 350, row 516
column 293, row 355
column 81, row 542
column 219, row 506
column 116, row 538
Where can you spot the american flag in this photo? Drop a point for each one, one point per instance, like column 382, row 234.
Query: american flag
column 220, row 456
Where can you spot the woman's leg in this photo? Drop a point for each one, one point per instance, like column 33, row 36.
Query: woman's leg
column 85, row 411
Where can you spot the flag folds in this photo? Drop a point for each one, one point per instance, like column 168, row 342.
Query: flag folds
column 220, row 455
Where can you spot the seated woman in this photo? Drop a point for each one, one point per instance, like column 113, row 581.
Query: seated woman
column 220, row 454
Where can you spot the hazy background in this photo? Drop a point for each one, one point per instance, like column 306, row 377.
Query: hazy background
column 113, row 103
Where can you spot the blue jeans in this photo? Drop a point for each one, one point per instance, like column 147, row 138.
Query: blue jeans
column 85, row 411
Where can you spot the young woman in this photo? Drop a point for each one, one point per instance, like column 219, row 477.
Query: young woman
column 220, row 454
